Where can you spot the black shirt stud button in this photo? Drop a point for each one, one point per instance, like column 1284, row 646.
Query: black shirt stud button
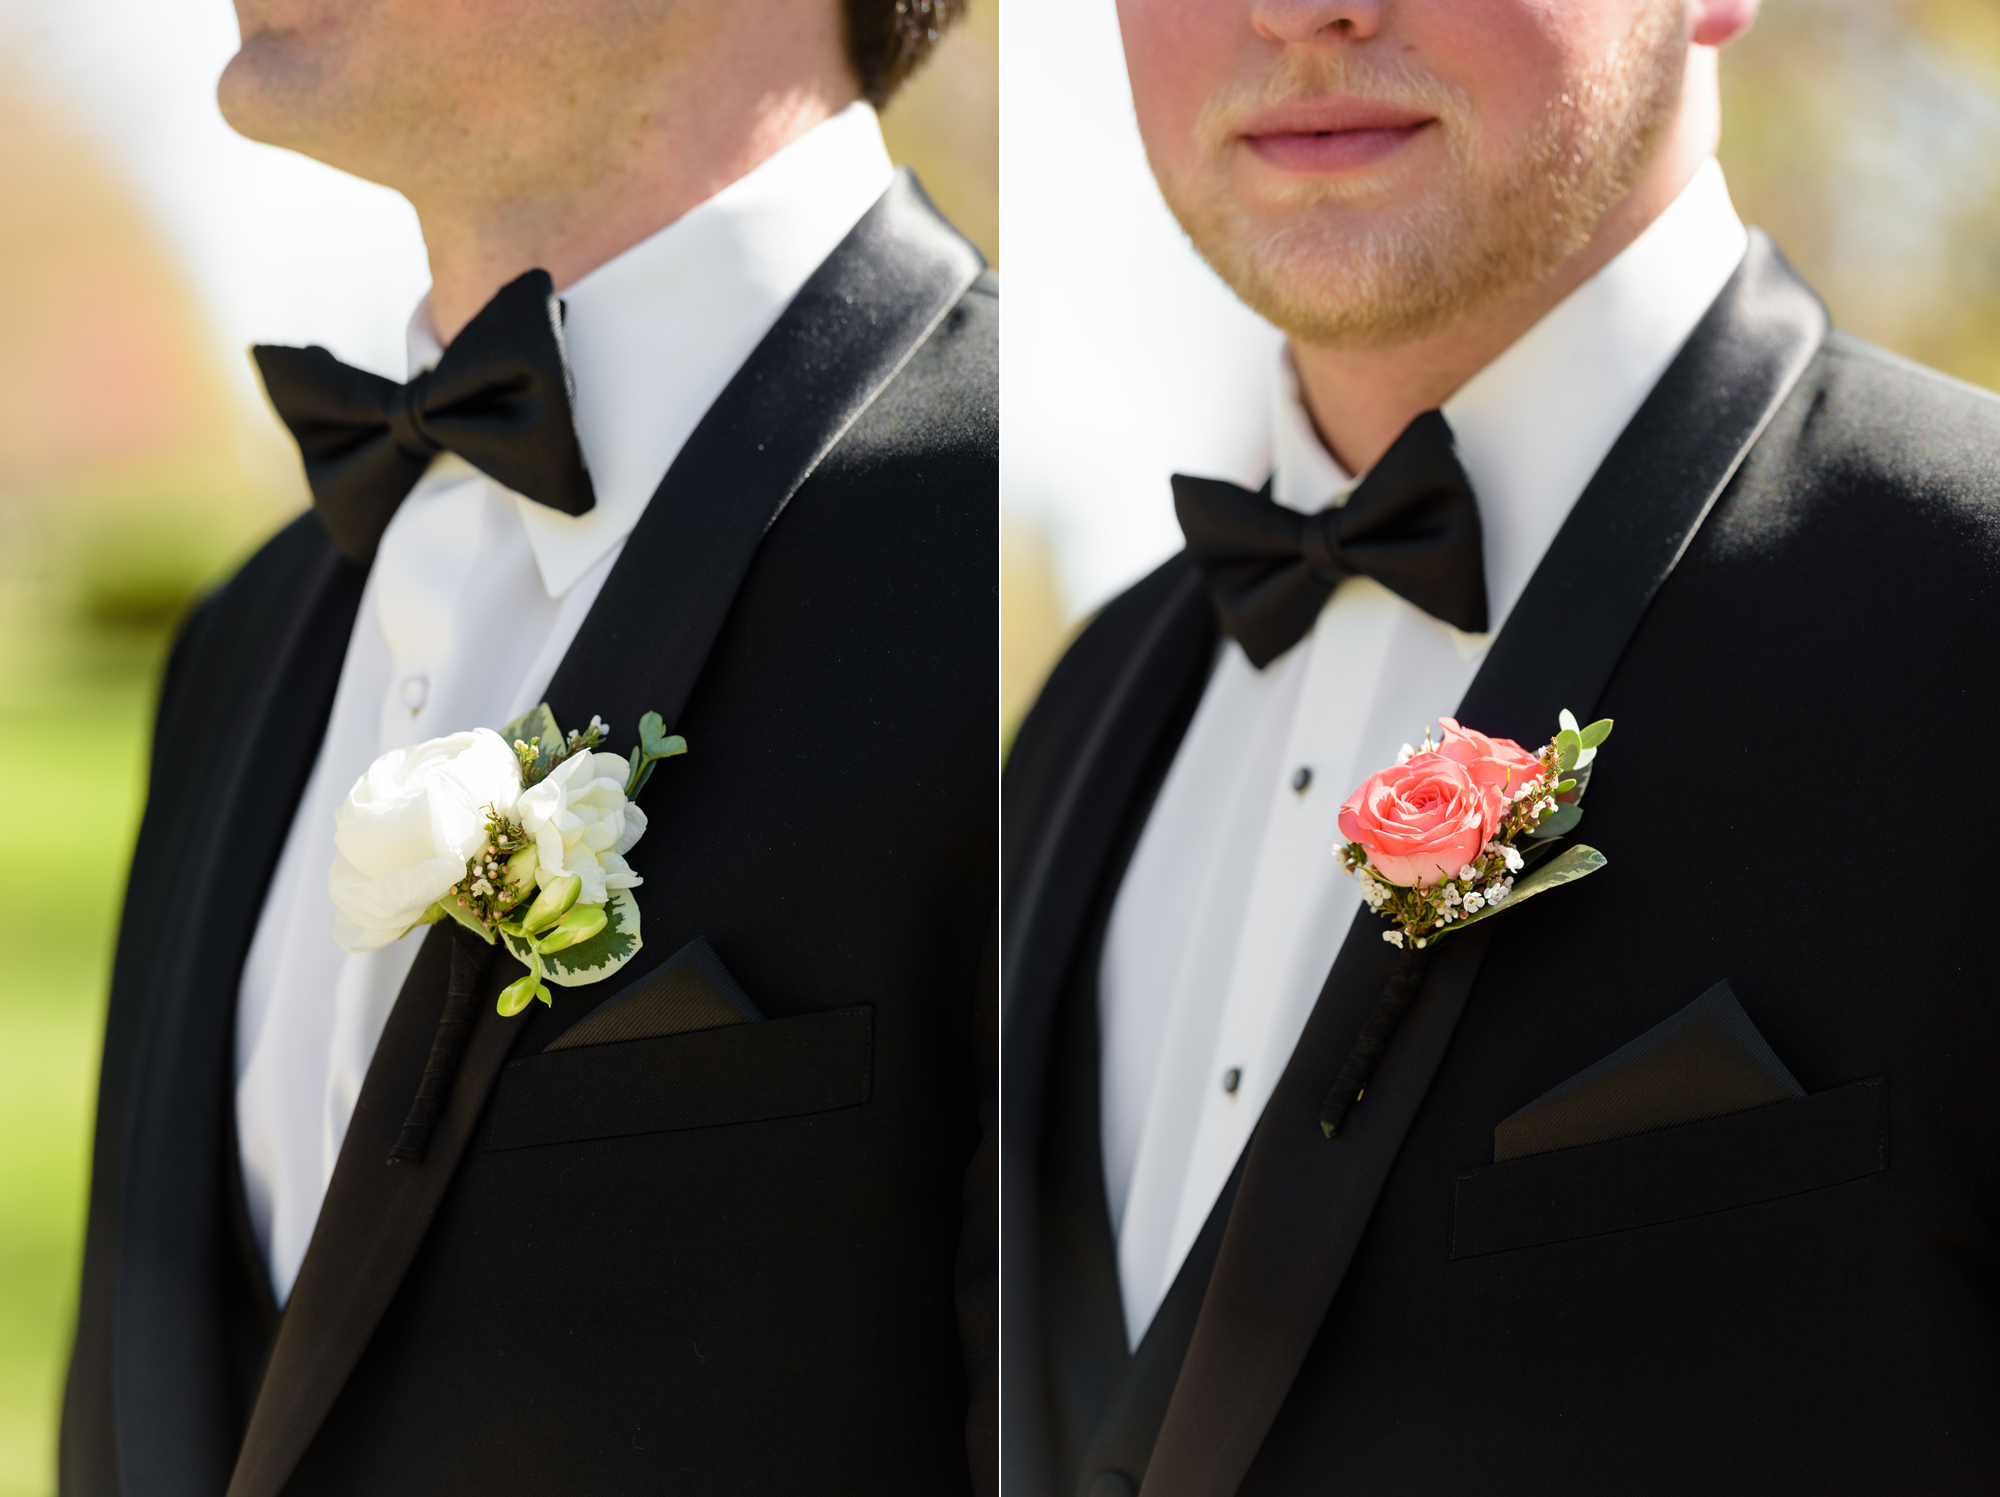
column 1302, row 777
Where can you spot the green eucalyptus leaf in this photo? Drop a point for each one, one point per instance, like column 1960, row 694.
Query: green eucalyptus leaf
column 1558, row 822
column 463, row 915
column 1566, row 720
column 1573, row 863
column 1585, row 759
column 1596, row 733
column 1568, row 746
column 537, row 722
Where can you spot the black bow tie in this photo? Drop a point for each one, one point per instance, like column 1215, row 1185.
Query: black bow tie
column 1412, row 525
column 499, row 398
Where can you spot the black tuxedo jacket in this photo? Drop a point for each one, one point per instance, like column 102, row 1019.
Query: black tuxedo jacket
column 774, row 1268
column 1784, row 585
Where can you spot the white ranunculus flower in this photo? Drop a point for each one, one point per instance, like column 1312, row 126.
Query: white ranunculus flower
column 407, row 827
column 582, row 824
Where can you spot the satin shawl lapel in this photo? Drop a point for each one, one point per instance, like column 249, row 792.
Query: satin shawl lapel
column 844, row 337
column 173, row 1411
column 855, row 323
column 1305, row 1201
column 1042, row 926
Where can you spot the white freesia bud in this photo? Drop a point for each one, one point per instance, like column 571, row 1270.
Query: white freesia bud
column 406, row 829
column 583, row 825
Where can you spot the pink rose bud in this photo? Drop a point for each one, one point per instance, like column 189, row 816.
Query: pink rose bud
column 1499, row 766
column 1421, row 820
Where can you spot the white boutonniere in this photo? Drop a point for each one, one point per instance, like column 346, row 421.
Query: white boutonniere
column 520, row 836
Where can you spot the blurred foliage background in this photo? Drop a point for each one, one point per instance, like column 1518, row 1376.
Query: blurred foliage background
column 1863, row 135
column 132, row 477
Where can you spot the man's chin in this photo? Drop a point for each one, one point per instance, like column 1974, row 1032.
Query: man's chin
column 1331, row 271
column 270, row 90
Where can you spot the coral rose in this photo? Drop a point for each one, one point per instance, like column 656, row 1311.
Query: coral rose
column 1421, row 820
column 1499, row 766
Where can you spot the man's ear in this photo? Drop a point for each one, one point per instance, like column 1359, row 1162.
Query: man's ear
column 1719, row 22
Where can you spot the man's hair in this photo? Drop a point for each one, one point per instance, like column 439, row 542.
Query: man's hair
column 888, row 39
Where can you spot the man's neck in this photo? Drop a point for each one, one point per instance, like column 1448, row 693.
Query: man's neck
column 1360, row 400
column 675, row 161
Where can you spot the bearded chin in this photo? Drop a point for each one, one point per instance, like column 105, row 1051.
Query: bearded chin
column 1387, row 284
column 1329, row 272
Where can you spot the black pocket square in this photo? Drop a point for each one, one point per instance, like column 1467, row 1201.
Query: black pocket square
column 1707, row 1061
column 691, row 990
column 670, row 1083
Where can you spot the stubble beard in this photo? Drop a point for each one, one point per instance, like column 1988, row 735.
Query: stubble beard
column 1461, row 246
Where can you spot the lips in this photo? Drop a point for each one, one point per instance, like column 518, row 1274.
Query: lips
column 1332, row 136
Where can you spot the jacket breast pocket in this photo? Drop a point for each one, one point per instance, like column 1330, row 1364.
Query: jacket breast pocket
column 741, row 1073
column 1784, row 1149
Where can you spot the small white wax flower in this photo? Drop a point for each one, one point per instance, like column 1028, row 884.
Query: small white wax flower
column 1511, row 858
column 1474, row 901
column 1468, row 873
column 1394, row 937
column 1406, row 753
column 1495, row 892
column 582, row 824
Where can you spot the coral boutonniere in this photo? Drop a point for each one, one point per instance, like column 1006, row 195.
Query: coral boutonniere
column 519, row 836
column 1447, row 836
column 1450, row 835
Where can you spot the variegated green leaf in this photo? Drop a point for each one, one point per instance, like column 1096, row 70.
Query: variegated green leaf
column 1567, row 867
column 593, row 960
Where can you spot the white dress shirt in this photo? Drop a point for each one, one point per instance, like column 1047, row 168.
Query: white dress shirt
column 473, row 599
column 1233, row 907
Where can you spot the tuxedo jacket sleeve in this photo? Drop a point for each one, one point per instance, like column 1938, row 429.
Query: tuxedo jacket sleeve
column 757, row 1258
column 1784, row 587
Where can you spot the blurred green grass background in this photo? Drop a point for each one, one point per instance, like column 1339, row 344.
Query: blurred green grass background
column 73, row 734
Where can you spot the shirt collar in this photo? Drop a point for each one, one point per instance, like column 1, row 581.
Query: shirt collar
column 1537, row 422
column 654, row 335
